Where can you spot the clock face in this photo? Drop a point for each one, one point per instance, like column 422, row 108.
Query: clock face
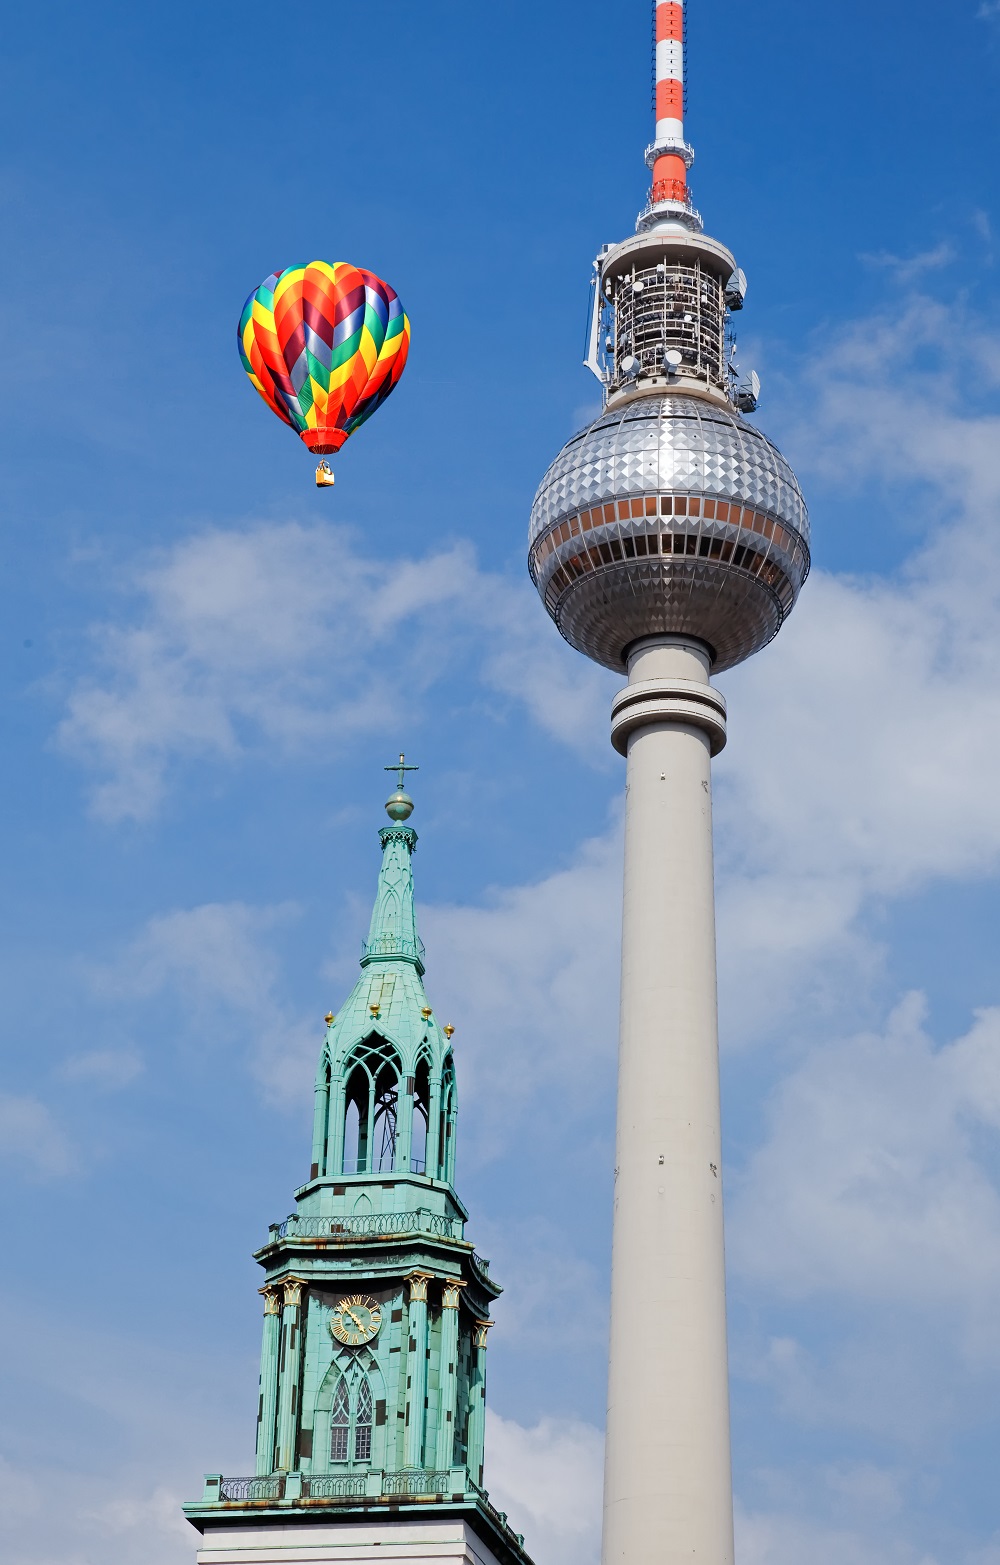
column 355, row 1320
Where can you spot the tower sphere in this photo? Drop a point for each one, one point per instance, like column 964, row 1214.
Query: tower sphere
column 669, row 514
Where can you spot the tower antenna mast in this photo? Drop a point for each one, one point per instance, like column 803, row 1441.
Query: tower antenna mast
column 669, row 157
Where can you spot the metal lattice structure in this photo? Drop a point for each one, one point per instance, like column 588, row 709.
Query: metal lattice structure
column 417, row 1482
column 252, row 1489
column 373, row 1225
column 672, row 306
column 340, row 1487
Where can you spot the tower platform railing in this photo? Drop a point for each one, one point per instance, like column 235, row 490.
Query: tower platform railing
column 393, row 945
column 370, row 1225
column 416, row 1483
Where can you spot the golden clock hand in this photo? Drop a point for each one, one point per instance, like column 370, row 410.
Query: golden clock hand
column 360, row 1325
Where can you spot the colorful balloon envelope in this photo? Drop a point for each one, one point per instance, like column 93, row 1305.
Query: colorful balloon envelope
column 324, row 345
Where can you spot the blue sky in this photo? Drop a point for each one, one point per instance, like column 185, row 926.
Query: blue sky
column 205, row 664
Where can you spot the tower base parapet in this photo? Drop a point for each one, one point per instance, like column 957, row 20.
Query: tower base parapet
column 275, row 1542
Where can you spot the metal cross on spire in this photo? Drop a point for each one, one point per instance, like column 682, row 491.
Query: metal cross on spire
column 402, row 768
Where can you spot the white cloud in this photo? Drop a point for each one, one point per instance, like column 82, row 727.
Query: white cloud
column 106, row 1069
column 548, row 1288
column 158, row 1514
column 20, row 1493
column 217, row 949
column 219, row 962
column 906, row 269
column 548, row 1478
column 530, row 979
column 781, row 1539
column 864, row 754
column 118, row 1529
column 140, row 1408
column 287, row 639
column 872, row 1184
column 31, row 1139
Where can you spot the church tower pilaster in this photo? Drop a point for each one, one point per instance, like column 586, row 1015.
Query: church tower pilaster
column 267, row 1410
column 416, row 1379
column 477, row 1402
column 450, row 1302
column 288, row 1373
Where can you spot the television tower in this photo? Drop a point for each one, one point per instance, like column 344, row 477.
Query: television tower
column 668, row 540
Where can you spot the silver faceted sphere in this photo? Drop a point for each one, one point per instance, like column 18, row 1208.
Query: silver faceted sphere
column 669, row 514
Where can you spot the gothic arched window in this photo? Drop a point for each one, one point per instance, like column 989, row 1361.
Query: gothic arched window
column 356, row 1124
column 386, row 1106
column 340, row 1422
column 371, row 1099
column 446, row 1130
column 351, row 1419
column 363, row 1412
column 421, row 1119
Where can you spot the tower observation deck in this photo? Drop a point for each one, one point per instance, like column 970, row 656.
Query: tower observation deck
column 670, row 540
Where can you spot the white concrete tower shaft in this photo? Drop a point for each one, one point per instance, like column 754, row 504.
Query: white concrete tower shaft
column 668, row 1486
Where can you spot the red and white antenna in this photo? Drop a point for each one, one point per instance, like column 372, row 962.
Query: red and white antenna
column 669, row 157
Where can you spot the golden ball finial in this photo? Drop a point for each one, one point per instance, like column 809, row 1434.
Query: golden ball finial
column 329, row 1017
column 399, row 806
column 449, row 1032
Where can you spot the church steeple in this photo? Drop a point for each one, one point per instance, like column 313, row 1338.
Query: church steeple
column 392, row 935
column 376, row 1308
column 393, row 932
column 385, row 1090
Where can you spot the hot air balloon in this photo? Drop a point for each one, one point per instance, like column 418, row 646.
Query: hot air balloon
column 324, row 345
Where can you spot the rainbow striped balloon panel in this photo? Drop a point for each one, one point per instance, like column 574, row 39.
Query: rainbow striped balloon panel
column 324, row 344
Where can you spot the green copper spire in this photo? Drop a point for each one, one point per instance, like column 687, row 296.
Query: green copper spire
column 392, row 935
column 371, row 1407
column 385, row 1090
